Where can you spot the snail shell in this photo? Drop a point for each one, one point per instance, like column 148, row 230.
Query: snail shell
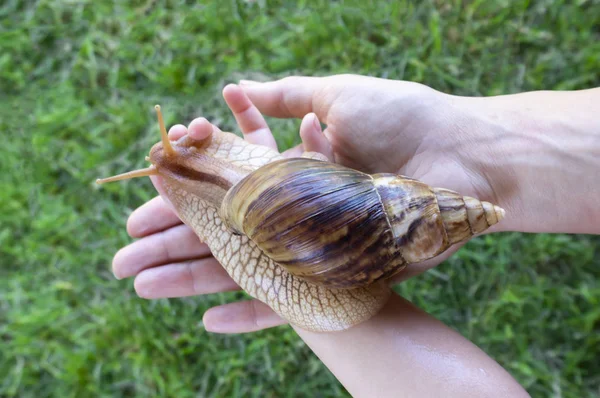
column 341, row 228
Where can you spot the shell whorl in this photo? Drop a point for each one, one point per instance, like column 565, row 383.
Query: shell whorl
column 321, row 221
column 465, row 216
column 337, row 227
column 426, row 221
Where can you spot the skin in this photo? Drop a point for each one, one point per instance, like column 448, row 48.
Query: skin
column 471, row 145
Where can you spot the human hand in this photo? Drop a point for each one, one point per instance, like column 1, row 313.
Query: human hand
column 170, row 262
column 534, row 154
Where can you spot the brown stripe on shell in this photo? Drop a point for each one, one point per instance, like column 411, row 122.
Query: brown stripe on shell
column 490, row 214
column 454, row 215
column 482, row 215
column 321, row 221
column 476, row 215
column 413, row 215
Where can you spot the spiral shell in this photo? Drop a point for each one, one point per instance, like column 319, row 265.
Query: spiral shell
column 340, row 228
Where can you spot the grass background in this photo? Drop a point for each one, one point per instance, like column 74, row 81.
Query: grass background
column 78, row 80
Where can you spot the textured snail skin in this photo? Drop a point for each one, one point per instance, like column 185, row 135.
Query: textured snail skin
column 244, row 200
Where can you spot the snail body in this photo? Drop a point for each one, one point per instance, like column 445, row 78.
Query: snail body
column 314, row 240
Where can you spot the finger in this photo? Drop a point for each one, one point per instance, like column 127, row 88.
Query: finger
column 151, row 217
column 241, row 317
column 177, row 131
column 253, row 124
column 294, row 152
column 313, row 138
column 200, row 128
column 172, row 245
column 289, row 97
column 189, row 278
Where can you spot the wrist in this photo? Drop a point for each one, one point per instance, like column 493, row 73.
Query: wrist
column 539, row 155
column 386, row 354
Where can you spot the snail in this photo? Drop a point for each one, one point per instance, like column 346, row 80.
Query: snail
column 315, row 240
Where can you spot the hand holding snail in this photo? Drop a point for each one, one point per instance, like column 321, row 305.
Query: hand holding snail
column 170, row 262
column 445, row 141
column 312, row 239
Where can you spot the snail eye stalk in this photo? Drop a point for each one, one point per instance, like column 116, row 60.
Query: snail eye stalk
column 169, row 151
column 149, row 171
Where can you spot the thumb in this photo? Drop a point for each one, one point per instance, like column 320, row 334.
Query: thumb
column 290, row 97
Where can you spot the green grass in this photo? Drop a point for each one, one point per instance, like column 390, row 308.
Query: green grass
column 78, row 80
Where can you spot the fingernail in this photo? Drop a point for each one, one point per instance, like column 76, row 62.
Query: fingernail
column 216, row 320
column 248, row 82
column 316, row 123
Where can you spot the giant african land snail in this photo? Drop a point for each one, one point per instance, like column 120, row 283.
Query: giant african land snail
column 314, row 240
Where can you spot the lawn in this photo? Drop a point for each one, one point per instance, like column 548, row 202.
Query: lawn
column 78, row 80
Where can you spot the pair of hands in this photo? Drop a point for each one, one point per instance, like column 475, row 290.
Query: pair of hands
column 373, row 125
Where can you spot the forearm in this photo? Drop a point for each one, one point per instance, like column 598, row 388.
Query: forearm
column 543, row 157
column 402, row 351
